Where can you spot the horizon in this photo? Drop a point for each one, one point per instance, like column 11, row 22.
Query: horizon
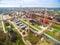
column 29, row 7
column 30, row 3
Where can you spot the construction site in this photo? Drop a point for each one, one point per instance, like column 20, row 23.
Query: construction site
column 33, row 27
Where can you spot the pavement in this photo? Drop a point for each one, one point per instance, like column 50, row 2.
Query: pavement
column 3, row 27
column 38, row 29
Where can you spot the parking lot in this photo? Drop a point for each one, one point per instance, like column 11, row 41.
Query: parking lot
column 20, row 24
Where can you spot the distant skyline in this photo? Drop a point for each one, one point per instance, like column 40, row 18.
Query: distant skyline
column 30, row 3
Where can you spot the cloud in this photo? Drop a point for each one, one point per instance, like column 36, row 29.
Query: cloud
column 30, row 3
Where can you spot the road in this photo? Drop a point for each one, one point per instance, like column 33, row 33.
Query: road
column 16, row 27
column 26, row 43
column 37, row 29
column 40, row 32
column 52, row 38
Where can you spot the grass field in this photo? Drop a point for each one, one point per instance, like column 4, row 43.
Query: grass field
column 55, row 32
column 33, row 26
column 32, row 38
column 55, row 26
column 19, row 40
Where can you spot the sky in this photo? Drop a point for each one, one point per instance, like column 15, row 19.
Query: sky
column 29, row 3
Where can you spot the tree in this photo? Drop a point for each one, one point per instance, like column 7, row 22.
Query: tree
column 2, row 37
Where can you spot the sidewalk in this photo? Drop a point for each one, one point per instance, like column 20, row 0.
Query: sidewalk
column 26, row 43
column 16, row 27
column 3, row 27
column 52, row 38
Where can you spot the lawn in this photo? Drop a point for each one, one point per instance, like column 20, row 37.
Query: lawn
column 33, row 26
column 56, row 30
column 53, row 35
column 36, row 26
column 32, row 38
column 19, row 40
column 55, row 26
